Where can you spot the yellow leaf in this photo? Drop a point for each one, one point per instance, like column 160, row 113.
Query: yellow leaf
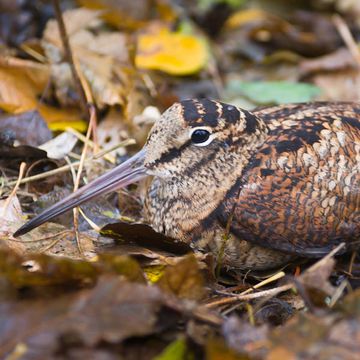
column 172, row 52
column 60, row 119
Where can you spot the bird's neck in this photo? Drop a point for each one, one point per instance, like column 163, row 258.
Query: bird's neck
column 176, row 206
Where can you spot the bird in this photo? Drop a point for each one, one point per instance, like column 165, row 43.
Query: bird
column 260, row 187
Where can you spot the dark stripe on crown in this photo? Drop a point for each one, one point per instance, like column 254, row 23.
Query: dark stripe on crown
column 200, row 112
column 211, row 116
column 190, row 111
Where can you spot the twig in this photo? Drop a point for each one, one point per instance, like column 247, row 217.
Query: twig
column 69, row 55
column 347, row 37
column 78, row 176
column 338, row 293
column 236, row 298
column 89, row 221
column 269, row 280
column 17, row 184
column 352, row 260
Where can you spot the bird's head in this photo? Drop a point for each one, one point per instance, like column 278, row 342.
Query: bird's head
column 186, row 137
column 191, row 132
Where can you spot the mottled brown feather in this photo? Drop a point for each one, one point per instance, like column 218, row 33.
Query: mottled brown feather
column 303, row 193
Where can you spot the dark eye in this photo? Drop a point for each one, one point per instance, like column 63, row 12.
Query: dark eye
column 199, row 136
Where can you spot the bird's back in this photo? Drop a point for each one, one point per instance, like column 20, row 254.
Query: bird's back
column 300, row 193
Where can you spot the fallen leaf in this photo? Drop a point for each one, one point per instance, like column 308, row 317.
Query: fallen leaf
column 183, row 279
column 122, row 265
column 21, row 82
column 144, row 235
column 28, row 128
column 172, row 52
column 102, row 58
column 245, row 338
column 60, row 119
column 75, row 20
column 59, row 146
column 11, row 156
column 316, row 277
column 17, row 93
column 111, row 312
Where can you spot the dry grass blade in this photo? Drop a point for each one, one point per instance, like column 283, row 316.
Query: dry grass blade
column 17, row 184
column 237, row 298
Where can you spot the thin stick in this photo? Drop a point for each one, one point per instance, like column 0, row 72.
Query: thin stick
column 17, row 184
column 78, row 177
column 69, row 55
column 347, row 37
column 234, row 299
column 84, row 151
column 352, row 260
column 269, row 280
column 338, row 293
column 74, row 164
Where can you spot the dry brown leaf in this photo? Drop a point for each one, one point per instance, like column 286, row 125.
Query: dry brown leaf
column 17, row 92
column 21, row 81
column 29, row 127
column 184, row 279
column 59, row 146
column 50, row 238
column 75, row 20
column 102, row 58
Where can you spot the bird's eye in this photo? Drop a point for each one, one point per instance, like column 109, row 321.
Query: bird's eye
column 200, row 136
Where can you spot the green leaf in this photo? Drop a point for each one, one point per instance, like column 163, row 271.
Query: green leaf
column 177, row 350
column 273, row 92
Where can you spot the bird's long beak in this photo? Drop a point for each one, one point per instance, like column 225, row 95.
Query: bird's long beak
column 126, row 173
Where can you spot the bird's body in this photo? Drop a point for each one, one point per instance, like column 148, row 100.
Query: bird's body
column 280, row 182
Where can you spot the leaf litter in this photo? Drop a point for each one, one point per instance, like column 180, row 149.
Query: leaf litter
column 112, row 287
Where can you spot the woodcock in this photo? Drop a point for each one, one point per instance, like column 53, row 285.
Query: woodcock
column 285, row 179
